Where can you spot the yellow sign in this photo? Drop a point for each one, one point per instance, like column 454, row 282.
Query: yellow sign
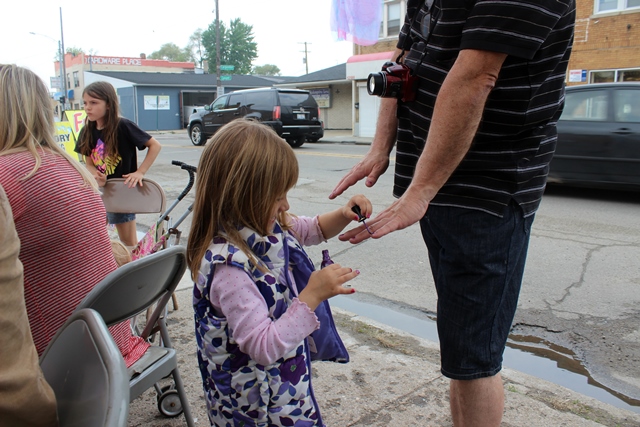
column 67, row 132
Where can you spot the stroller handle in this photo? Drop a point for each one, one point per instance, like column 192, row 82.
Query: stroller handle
column 191, row 170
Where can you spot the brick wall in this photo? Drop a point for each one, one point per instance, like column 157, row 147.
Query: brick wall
column 606, row 41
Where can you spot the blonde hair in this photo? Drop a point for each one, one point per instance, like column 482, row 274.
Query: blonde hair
column 243, row 169
column 26, row 119
column 121, row 253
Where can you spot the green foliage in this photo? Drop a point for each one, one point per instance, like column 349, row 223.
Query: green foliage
column 237, row 47
column 196, row 48
column 266, row 70
column 75, row 51
column 171, row 52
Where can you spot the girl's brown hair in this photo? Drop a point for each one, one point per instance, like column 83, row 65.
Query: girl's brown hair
column 26, row 119
column 244, row 168
column 107, row 93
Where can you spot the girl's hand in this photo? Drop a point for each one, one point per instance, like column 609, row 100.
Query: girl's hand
column 326, row 283
column 100, row 177
column 362, row 202
column 134, row 178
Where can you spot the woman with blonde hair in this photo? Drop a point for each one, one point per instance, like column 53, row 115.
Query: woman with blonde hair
column 65, row 248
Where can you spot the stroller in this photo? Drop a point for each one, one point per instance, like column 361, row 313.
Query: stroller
column 164, row 233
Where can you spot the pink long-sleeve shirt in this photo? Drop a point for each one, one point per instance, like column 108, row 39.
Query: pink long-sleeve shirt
column 235, row 295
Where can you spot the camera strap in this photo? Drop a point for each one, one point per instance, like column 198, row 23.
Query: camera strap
column 429, row 16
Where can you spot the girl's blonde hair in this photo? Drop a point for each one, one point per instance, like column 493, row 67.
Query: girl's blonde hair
column 107, row 93
column 243, row 169
column 121, row 253
column 26, row 118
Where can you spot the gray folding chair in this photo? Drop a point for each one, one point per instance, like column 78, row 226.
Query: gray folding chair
column 84, row 367
column 131, row 289
column 118, row 197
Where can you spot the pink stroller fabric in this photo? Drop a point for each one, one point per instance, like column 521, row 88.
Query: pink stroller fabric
column 357, row 21
column 149, row 244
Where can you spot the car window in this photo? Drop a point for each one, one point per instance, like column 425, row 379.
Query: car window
column 588, row 105
column 260, row 100
column 218, row 104
column 627, row 105
column 294, row 99
column 235, row 100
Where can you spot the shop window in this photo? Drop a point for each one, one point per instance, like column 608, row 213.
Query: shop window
column 610, row 76
column 602, row 6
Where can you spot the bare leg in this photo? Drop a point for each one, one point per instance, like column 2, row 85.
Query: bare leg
column 477, row 403
column 127, row 233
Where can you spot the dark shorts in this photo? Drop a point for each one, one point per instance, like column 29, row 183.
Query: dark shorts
column 477, row 260
column 120, row 218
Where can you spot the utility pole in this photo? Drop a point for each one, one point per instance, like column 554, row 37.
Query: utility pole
column 306, row 57
column 63, row 68
column 218, row 83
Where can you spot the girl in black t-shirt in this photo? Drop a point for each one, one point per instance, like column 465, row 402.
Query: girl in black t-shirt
column 108, row 143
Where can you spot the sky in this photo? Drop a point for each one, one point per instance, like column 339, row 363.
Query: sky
column 129, row 28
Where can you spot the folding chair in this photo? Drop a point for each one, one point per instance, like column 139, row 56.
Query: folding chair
column 148, row 199
column 131, row 289
column 118, row 197
column 84, row 367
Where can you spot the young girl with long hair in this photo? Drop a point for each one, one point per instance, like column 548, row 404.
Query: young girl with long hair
column 64, row 245
column 255, row 287
column 108, row 143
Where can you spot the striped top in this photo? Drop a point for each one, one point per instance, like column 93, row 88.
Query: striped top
column 510, row 155
column 64, row 245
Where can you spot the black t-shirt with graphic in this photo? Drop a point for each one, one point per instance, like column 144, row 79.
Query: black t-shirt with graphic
column 130, row 137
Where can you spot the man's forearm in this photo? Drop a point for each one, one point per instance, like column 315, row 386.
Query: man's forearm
column 456, row 116
column 386, row 127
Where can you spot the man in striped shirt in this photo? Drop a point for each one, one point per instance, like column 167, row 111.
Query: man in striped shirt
column 472, row 157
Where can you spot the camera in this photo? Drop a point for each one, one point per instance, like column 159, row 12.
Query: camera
column 394, row 81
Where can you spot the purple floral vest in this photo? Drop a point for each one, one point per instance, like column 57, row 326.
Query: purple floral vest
column 238, row 390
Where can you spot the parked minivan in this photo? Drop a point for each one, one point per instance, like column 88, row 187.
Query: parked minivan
column 292, row 113
column 599, row 137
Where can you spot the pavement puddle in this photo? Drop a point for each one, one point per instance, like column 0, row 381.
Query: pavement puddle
column 527, row 354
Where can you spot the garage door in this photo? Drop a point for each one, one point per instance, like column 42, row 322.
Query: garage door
column 369, row 106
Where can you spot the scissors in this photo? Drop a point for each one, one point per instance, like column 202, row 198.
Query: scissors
column 361, row 218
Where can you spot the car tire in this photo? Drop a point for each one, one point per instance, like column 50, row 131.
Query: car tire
column 296, row 142
column 195, row 134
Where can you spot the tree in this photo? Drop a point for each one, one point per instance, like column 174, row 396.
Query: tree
column 171, row 52
column 237, row 47
column 266, row 70
column 75, row 51
column 196, row 48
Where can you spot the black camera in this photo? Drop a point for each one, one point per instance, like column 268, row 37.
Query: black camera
column 394, row 81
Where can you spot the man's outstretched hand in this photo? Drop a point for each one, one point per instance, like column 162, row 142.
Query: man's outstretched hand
column 370, row 167
column 406, row 211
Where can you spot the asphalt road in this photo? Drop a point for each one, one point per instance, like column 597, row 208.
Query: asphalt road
column 579, row 306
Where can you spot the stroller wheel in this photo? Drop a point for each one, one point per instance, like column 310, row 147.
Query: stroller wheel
column 169, row 403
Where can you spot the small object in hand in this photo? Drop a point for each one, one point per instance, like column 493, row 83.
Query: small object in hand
column 326, row 259
column 361, row 218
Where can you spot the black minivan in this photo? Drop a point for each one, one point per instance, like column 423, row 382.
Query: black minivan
column 292, row 113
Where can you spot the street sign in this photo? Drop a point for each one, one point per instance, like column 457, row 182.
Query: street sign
column 55, row 82
column 225, row 77
column 227, row 68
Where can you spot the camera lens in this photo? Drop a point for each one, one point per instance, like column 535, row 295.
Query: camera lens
column 375, row 84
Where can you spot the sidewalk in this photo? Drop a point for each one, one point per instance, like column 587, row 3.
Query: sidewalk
column 392, row 380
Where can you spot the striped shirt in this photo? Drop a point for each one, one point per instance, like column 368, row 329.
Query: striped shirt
column 64, row 244
column 510, row 154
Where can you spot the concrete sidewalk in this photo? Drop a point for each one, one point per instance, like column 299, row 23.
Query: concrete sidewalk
column 393, row 379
